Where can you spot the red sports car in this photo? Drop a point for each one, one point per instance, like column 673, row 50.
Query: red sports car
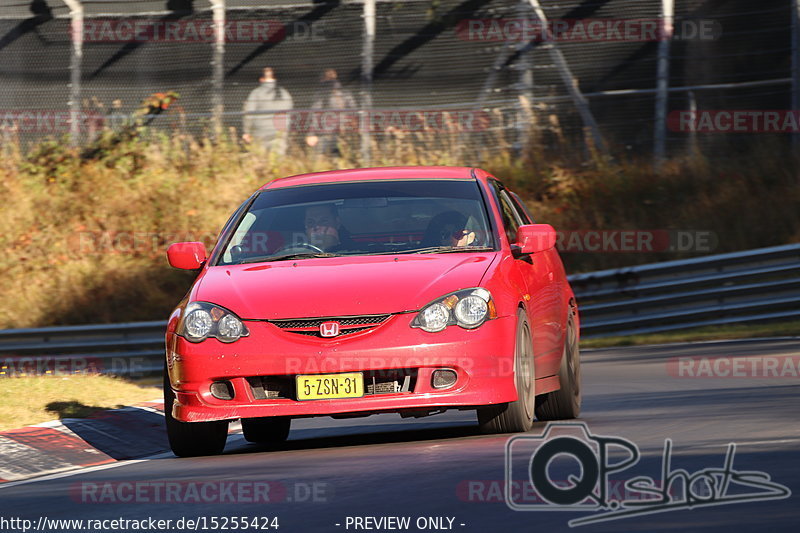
column 408, row 290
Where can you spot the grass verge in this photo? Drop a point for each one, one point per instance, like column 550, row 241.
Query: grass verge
column 35, row 399
column 709, row 333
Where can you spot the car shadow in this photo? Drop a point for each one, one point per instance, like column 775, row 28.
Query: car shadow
column 361, row 436
column 126, row 433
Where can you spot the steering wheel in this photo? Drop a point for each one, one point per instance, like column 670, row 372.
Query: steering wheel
column 302, row 246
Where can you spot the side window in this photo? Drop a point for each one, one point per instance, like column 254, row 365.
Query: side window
column 511, row 221
column 522, row 209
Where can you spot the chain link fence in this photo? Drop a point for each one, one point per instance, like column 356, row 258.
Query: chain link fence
column 462, row 75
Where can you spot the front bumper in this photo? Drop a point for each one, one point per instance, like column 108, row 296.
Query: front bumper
column 483, row 359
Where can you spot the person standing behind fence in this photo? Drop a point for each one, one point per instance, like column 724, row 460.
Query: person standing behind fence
column 330, row 95
column 267, row 129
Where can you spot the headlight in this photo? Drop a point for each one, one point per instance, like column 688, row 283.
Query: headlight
column 229, row 328
column 202, row 320
column 198, row 324
column 468, row 308
column 434, row 317
column 471, row 311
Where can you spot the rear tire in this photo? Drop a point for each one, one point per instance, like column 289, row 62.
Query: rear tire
column 516, row 416
column 266, row 430
column 564, row 403
column 192, row 439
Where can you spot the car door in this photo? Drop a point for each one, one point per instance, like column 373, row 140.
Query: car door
column 538, row 271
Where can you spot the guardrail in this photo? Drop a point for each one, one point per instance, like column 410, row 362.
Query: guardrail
column 752, row 286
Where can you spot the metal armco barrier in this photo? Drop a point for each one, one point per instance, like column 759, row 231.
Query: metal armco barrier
column 752, row 286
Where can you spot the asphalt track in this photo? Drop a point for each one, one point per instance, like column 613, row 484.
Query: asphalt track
column 440, row 467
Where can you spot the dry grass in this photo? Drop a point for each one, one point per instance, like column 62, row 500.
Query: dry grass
column 65, row 261
column 32, row 400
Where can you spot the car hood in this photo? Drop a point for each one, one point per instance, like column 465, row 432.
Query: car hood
column 339, row 286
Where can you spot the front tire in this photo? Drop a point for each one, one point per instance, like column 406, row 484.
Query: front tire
column 565, row 403
column 266, row 430
column 192, row 439
column 516, row 416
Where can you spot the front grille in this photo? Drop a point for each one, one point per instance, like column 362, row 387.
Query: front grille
column 347, row 324
column 375, row 382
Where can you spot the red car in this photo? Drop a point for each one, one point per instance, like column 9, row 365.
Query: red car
column 408, row 290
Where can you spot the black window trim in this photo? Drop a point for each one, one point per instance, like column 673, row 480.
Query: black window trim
column 522, row 209
column 234, row 221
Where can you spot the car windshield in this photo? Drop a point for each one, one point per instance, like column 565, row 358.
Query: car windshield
column 361, row 218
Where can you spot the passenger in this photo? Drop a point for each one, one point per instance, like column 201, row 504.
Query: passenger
column 448, row 229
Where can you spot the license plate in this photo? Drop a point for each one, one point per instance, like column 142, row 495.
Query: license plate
column 330, row 386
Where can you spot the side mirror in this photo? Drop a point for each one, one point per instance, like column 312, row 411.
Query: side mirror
column 532, row 238
column 186, row 255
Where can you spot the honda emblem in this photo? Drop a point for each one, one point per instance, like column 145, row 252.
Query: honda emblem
column 329, row 329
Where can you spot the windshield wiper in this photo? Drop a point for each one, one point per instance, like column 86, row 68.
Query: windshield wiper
column 301, row 255
column 448, row 249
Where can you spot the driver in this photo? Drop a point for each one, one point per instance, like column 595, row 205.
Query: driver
column 324, row 228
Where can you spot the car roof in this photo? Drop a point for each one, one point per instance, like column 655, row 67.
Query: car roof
column 376, row 173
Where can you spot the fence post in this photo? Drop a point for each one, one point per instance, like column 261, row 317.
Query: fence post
column 662, row 82
column 568, row 79
column 795, row 63
column 693, row 148
column 75, row 68
column 218, row 67
column 366, row 80
column 524, row 89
